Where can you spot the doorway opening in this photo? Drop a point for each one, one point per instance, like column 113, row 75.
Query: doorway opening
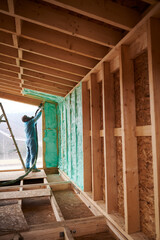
column 9, row 159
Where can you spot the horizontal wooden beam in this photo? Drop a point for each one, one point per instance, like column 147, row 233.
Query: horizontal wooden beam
column 9, row 67
column 48, row 16
column 49, row 71
column 8, row 51
column 5, row 82
column 54, row 64
column 7, row 78
column 24, row 194
column 56, row 53
column 8, row 60
column 9, row 89
column 104, row 11
column 63, row 41
column 6, row 38
column 48, row 78
column 22, row 99
column 8, row 73
column 7, row 23
column 42, row 82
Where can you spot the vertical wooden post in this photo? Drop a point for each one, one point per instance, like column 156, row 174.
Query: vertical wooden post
column 87, row 171
column 129, row 143
column 154, row 83
column 43, row 136
column 109, row 145
column 97, row 190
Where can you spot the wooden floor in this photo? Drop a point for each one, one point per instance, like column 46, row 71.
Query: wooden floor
column 46, row 207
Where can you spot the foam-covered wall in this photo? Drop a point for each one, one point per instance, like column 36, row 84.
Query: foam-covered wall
column 50, row 135
column 70, row 136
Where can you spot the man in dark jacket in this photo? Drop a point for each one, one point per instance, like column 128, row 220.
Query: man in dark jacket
column 31, row 140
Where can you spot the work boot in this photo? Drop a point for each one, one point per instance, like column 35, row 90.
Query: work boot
column 36, row 170
column 27, row 169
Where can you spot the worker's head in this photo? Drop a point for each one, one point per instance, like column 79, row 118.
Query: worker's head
column 25, row 118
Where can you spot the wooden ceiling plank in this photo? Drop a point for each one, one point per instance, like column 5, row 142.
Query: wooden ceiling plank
column 105, row 11
column 6, row 38
column 10, row 90
column 9, row 78
column 7, row 23
column 41, row 87
column 11, row 87
column 9, row 83
column 22, row 99
column 150, row 1
column 8, row 51
column 54, row 64
column 8, row 73
column 42, row 82
column 56, row 53
column 63, row 41
column 9, row 68
column 49, row 71
column 7, row 60
column 43, row 90
column 65, row 22
column 48, row 78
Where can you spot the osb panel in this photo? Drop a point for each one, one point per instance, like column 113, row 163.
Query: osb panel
column 146, row 191
column 142, row 90
column 117, row 105
column 101, row 105
column 119, row 170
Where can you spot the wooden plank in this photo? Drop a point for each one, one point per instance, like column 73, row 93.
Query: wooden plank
column 57, row 212
column 49, row 71
column 54, row 64
column 8, row 60
column 5, row 176
column 48, row 78
column 154, row 73
column 16, row 98
column 139, row 45
column 9, row 68
column 56, row 53
column 24, row 194
column 103, row 11
column 67, row 234
column 7, row 73
column 117, row 132
column 87, row 167
column 42, row 82
column 129, row 143
column 63, row 41
column 140, row 131
column 114, row 64
column 7, row 23
column 82, row 226
column 95, row 140
column 6, row 38
column 56, row 19
column 109, row 143
column 8, row 51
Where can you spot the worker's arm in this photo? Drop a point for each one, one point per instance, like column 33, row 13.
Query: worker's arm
column 37, row 116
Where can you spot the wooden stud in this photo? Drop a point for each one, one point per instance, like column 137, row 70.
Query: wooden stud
column 154, row 83
column 87, row 174
column 97, row 191
column 129, row 143
column 109, row 144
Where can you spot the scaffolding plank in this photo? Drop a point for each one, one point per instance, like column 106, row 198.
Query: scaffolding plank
column 24, row 194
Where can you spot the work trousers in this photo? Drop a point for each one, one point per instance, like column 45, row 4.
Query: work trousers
column 31, row 152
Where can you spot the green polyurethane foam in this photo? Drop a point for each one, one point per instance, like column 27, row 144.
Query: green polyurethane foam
column 50, row 135
column 70, row 136
column 42, row 96
column 63, row 117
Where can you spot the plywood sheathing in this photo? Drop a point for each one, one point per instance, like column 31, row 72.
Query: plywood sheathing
column 144, row 147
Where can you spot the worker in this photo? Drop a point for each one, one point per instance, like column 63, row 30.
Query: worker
column 31, row 139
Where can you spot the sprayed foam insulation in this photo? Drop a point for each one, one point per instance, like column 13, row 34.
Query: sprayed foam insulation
column 144, row 147
column 42, row 96
column 142, row 90
column 50, row 135
column 70, row 136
